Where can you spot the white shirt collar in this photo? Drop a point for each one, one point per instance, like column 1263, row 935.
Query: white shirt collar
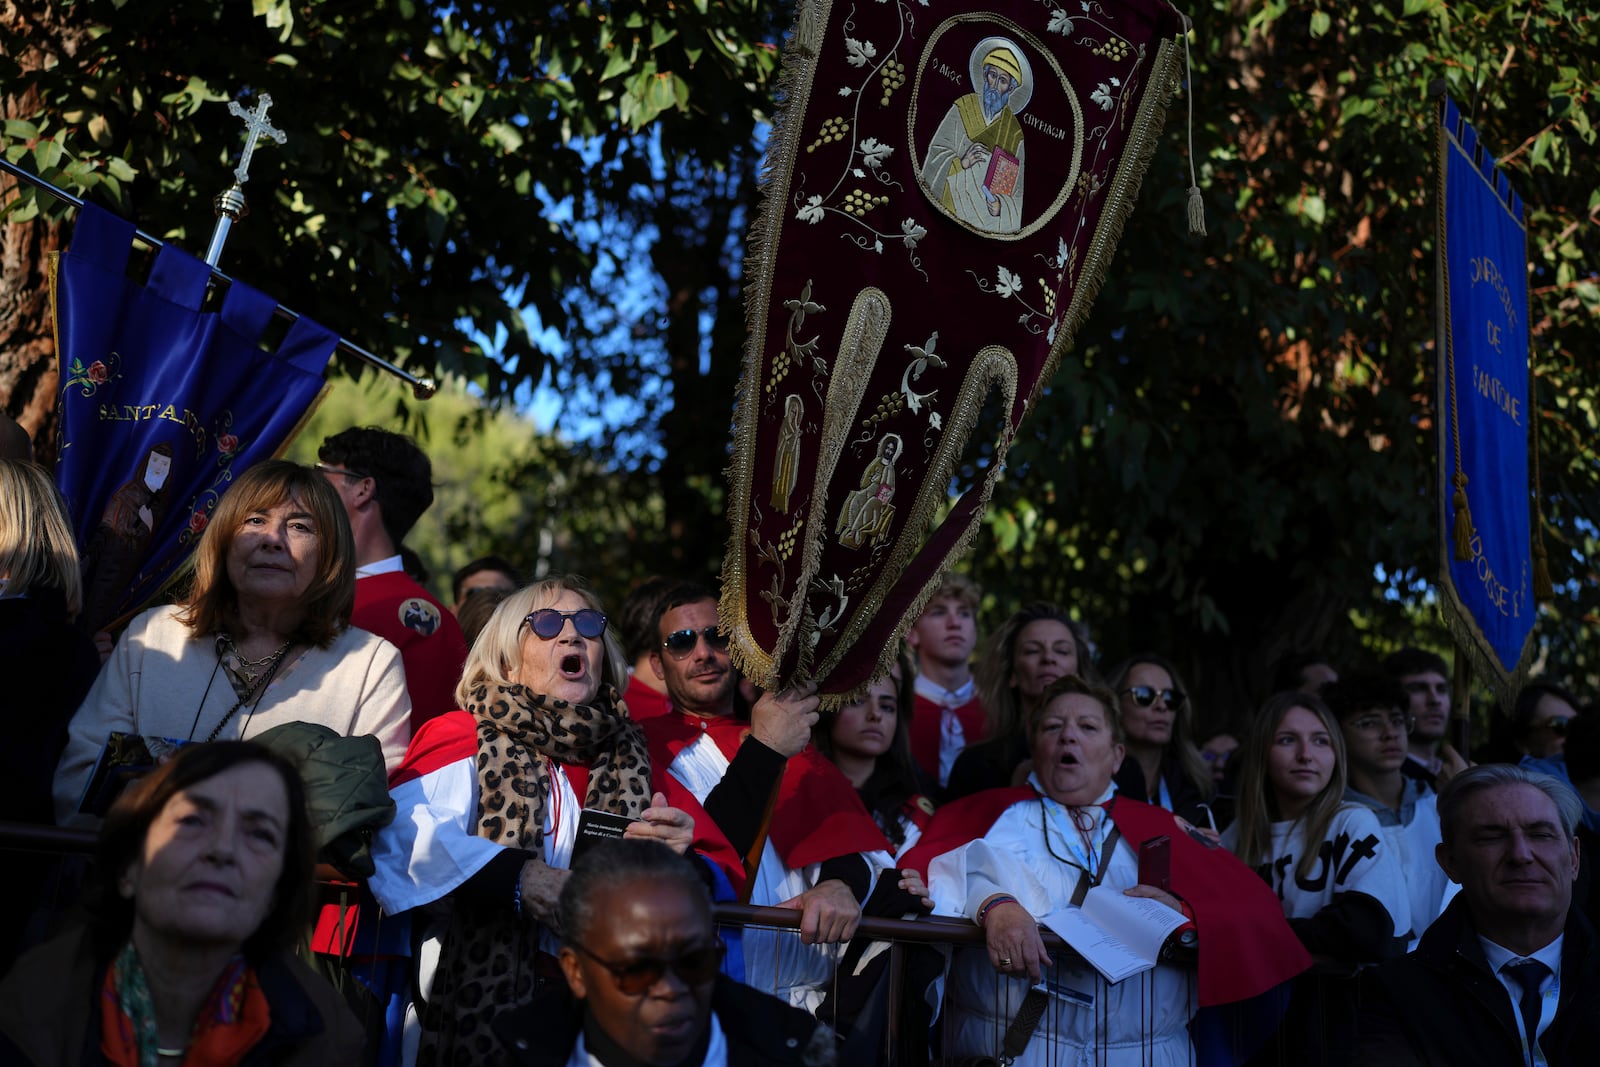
column 1498, row 956
column 382, row 566
column 950, row 698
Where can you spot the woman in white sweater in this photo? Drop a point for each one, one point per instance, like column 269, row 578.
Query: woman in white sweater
column 263, row 638
column 1341, row 885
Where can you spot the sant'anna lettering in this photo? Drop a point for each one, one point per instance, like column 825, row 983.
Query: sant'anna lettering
column 1337, row 857
column 185, row 417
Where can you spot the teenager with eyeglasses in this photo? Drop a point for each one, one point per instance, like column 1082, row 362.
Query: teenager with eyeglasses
column 642, row 987
column 822, row 850
column 1164, row 766
column 488, row 803
column 1375, row 720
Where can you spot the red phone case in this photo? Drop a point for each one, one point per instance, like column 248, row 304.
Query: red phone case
column 1155, row 863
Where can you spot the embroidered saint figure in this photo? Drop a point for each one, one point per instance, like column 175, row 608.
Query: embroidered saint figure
column 117, row 547
column 786, row 465
column 975, row 161
column 869, row 510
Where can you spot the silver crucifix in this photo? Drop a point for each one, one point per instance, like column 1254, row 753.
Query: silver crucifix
column 230, row 204
column 255, row 125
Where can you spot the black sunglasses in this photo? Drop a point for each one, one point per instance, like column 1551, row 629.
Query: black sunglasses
column 1145, row 695
column 548, row 622
column 696, row 967
column 681, row 642
column 1556, row 725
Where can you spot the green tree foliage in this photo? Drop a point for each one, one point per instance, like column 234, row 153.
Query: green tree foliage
column 501, row 487
column 1246, row 430
column 424, row 144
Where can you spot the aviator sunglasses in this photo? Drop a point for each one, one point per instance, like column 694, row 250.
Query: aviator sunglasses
column 548, row 622
column 681, row 642
column 1145, row 695
column 695, row 967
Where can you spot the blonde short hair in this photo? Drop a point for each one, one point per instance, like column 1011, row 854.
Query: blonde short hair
column 37, row 548
column 498, row 649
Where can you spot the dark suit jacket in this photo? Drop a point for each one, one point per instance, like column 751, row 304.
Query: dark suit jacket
column 762, row 1031
column 1442, row 1005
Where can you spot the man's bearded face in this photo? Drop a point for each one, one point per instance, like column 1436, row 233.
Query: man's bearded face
column 997, row 87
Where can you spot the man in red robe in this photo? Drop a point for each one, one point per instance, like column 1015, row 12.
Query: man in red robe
column 386, row 482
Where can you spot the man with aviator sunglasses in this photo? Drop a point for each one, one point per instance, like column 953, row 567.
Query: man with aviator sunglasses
column 641, row 960
column 725, row 770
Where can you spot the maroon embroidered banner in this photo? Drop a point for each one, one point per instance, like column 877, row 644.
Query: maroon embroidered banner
column 946, row 185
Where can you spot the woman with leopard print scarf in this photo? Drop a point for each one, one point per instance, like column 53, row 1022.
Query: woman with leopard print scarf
column 487, row 803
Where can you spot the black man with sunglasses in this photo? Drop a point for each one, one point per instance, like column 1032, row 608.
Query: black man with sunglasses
column 726, row 770
column 641, row 959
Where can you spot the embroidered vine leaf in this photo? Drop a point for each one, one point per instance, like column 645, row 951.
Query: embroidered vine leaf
column 811, row 212
column 877, row 246
column 859, row 53
column 874, row 152
column 1060, row 22
column 913, row 232
column 1061, row 252
column 1009, row 283
column 858, row 172
column 1102, row 96
column 935, row 421
column 846, row 91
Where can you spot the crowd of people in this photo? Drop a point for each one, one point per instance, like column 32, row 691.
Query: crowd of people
column 565, row 794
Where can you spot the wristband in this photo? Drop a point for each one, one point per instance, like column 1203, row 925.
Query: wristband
column 516, row 896
column 993, row 902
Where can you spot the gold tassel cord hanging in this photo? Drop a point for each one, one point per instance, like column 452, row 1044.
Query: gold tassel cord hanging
column 1543, row 591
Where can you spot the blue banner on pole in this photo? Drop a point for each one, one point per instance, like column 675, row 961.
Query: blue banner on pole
column 161, row 404
column 1482, row 390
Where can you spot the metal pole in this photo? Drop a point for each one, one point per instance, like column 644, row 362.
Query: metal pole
column 421, row 388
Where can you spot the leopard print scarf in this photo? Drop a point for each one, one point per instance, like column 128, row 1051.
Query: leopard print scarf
column 486, row 960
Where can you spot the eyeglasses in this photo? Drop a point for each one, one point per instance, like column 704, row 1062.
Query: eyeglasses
column 548, row 622
column 1376, row 724
column 1145, row 695
column 325, row 469
column 1556, row 725
column 696, row 967
column 681, row 642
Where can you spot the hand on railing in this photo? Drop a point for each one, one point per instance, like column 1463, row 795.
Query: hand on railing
column 829, row 913
column 1012, row 935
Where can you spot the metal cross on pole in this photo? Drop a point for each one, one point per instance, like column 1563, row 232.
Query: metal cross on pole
column 230, row 204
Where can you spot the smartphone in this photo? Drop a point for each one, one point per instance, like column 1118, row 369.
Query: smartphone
column 1155, row 863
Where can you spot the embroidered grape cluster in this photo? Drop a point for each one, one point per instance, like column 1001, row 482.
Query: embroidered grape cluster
column 833, row 129
column 888, row 407
column 859, row 202
column 1116, row 50
column 1049, row 297
column 893, row 77
column 780, row 368
column 787, row 539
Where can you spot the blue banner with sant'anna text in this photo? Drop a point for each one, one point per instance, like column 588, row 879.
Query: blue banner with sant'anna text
column 1482, row 391
column 162, row 403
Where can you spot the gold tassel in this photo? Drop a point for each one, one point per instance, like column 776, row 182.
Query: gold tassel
column 1543, row 591
column 1464, row 532
column 1197, row 206
column 807, row 29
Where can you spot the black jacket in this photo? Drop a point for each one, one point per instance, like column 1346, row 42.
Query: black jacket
column 1442, row 1005
column 761, row 1030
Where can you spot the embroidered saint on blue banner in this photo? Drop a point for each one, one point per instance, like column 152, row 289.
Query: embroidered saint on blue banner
column 161, row 403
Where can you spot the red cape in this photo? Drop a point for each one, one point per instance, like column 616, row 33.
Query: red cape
column 818, row 815
column 1246, row 945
